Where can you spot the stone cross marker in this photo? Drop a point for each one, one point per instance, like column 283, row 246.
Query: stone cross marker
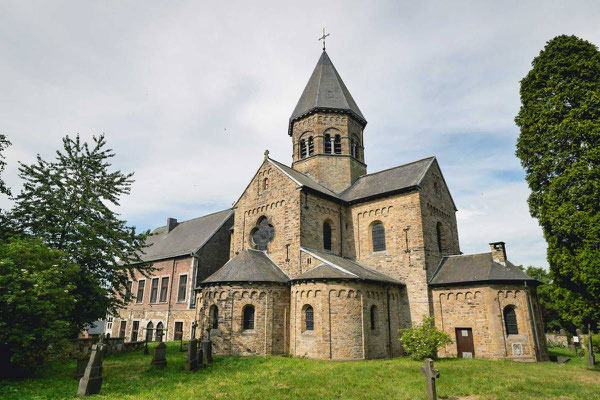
column 431, row 375
column 91, row 382
column 191, row 361
column 591, row 358
column 159, row 358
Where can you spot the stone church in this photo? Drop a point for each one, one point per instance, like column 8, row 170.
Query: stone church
column 327, row 261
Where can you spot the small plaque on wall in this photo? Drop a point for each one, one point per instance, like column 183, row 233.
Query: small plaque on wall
column 467, row 354
column 517, row 349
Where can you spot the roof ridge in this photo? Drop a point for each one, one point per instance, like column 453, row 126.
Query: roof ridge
column 193, row 219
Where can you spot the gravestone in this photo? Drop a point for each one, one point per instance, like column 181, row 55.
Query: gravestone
column 207, row 351
column 159, row 358
column 82, row 362
column 431, row 375
column 200, row 357
column 563, row 360
column 191, row 362
column 591, row 358
column 91, row 382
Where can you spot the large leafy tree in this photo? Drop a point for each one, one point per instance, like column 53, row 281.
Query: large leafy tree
column 559, row 147
column 68, row 203
column 4, row 143
column 36, row 302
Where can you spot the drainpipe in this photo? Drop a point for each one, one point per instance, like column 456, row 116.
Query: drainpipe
column 533, row 328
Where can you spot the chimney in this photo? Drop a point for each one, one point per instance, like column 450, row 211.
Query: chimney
column 498, row 252
column 171, row 224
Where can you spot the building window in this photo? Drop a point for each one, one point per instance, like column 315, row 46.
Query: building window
column 327, row 144
column 266, row 184
column 134, row 331
column 159, row 331
column 309, row 318
column 378, row 233
column 248, row 317
column 337, row 145
column 178, row 331
column 140, row 292
column 154, row 290
column 122, row 329
column 149, row 331
column 373, row 317
column 353, row 148
column 128, row 289
column 262, row 234
column 182, row 288
column 109, row 323
column 164, row 289
column 510, row 320
column 302, row 149
column 311, row 146
column 326, row 236
column 214, row 315
column 438, row 231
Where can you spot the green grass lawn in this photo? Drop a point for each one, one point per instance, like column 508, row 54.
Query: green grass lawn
column 129, row 376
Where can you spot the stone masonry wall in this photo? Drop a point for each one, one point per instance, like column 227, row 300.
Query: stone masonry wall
column 342, row 327
column 271, row 315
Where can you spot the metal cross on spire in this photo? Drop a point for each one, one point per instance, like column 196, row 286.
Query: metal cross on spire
column 323, row 38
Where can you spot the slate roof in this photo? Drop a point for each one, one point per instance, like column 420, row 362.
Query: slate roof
column 248, row 266
column 96, row 328
column 469, row 268
column 325, row 91
column 336, row 267
column 187, row 237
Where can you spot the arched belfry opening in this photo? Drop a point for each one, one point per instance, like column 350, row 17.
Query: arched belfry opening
column 333, row 152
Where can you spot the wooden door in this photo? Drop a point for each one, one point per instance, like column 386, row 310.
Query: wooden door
column 464, row 343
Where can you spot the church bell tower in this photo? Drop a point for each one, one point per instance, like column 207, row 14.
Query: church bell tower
column 327, row 130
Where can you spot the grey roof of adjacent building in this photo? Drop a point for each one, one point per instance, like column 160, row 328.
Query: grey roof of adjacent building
column 469, row 268
column 96, row 327
column 186, row 238
column 248, row 266
column 336, row 267
column 325, row 91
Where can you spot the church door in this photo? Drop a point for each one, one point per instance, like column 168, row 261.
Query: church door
column 464, row 343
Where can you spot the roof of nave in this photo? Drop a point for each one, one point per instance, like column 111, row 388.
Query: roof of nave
column 248, row 266
column 470, row 268
column 186, row 238
column 336, row 267
column 397, row 179
column 325, row 91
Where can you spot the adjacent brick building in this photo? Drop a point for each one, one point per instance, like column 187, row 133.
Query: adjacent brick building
column 323, row 260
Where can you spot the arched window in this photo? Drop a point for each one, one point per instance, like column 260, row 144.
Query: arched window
column 248, row 322
column 214, row 316
column 353, row 148
column 302, row 148
column 438, row 230
column 159, row 331
column 337, row 145
column 265, row 183
column 373, row 317
column 309, row 319
column 149, row 331
column 378, row 233
column 510, row 320
column 326, row 236
column 311, row 146
column 328, row 144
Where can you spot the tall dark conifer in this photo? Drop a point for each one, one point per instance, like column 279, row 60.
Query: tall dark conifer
column 559, row 147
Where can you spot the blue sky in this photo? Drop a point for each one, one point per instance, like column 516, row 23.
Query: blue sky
column 190, row 94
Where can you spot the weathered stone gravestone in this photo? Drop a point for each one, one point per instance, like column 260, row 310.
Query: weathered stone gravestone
column 563, row 360
column 207, row 352
column 91, row 382
column 159, row 358
column 200, row 357
column 591, row 358
column 82, row 362
column 191, row 361
column 431, row 375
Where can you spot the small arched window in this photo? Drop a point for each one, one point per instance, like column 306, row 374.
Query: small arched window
column 309, row 319
column 214, row 316
column 510, row 320
column 265, row 183
column 337, row 145
column 378, row 233
column 302, row 148
column 326, row 236
column 248, row 322
column 311, row 146
column 159, row 332
column 327, row 144
column 438, row 231
column 149, row 331
column 353, row 148
column 373, row 317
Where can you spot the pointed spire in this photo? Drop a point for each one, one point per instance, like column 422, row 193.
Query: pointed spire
column 325, row 91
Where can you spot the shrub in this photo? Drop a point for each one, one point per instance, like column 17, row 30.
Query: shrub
column 423, row 340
